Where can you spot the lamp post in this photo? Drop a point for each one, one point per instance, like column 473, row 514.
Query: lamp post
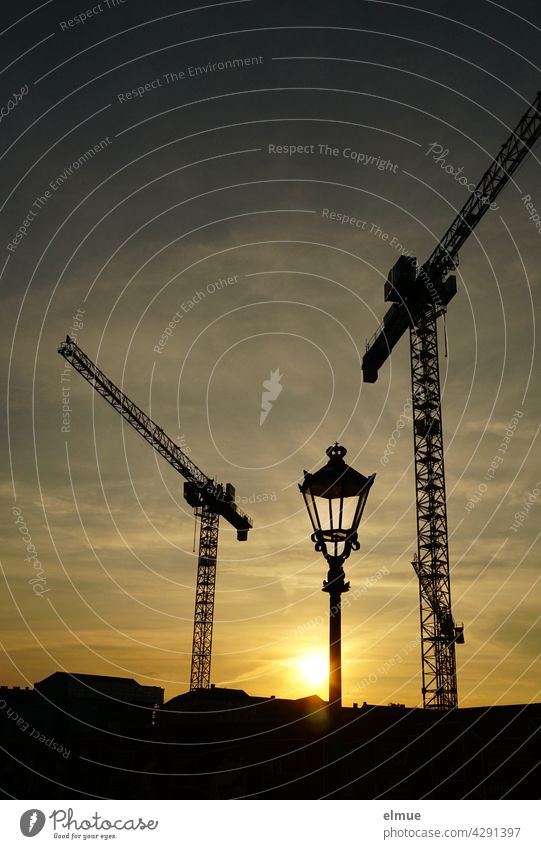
column 335, row 497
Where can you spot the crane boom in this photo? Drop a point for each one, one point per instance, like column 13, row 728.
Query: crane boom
column 208, row 491
column 442, row 260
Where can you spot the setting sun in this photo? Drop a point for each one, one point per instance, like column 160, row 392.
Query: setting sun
column 313, row 669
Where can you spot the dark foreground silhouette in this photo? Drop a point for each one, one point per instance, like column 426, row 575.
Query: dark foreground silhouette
column 81, row 736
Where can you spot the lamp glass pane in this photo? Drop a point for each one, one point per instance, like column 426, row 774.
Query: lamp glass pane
column 312, row 509
column 362, row 501
column 349, row 511
column 321, row 506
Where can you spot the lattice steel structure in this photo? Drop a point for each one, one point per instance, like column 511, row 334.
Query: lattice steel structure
column 204, row 598
column 420, row 296
column 209, row 499
column 438, row 632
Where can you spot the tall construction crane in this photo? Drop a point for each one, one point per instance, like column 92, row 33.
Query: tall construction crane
column 419, row 297
column 209, row 499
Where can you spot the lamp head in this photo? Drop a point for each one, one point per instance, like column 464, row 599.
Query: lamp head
column 335, row 497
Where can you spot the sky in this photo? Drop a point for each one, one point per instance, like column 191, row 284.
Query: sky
column 196, row 169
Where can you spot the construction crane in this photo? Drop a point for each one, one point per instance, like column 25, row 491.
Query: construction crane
column 209, row 499
column 419, row 297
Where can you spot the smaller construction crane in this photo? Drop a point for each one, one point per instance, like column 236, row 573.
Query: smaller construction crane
column 209, row 499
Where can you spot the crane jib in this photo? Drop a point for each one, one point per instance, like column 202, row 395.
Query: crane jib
column 443, row 259
column 214, row 495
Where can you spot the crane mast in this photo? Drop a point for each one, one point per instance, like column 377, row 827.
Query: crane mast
column 209, row 499
column 438, row 631
column 419, row 297
column 204, row 599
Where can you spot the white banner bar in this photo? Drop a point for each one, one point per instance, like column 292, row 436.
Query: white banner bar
column 270, row 824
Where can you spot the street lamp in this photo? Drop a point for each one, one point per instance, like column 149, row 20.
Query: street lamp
column 335, row 498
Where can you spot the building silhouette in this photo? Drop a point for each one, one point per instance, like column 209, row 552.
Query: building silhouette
column 101, row 736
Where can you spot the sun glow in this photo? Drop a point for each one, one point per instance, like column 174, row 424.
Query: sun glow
column 313, row 669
